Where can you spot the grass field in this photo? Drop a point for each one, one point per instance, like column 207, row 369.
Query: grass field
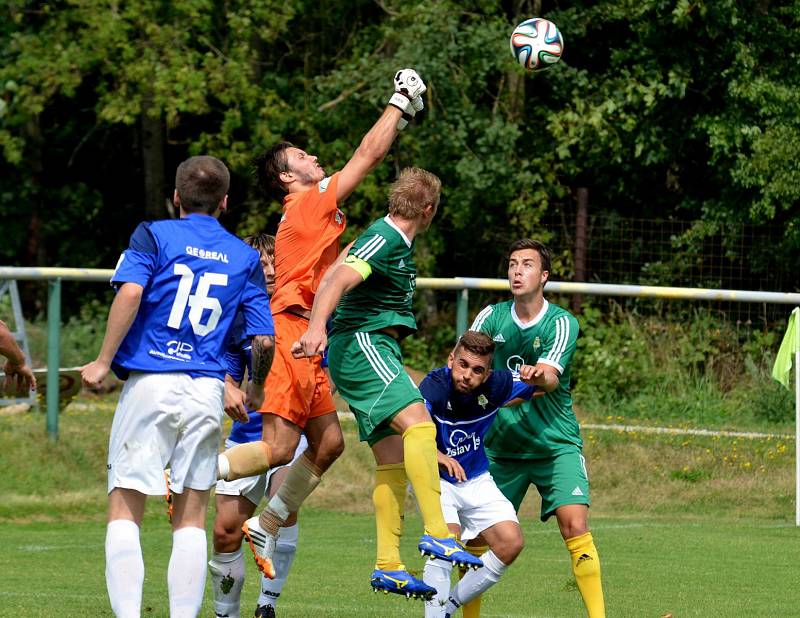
column 688, row 526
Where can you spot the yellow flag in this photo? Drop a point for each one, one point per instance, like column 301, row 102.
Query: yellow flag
column 789, row 346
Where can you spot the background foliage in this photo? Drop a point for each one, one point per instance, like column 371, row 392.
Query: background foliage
column 663, row 109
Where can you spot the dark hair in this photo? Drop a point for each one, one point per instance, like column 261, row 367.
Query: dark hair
column 527, row 243
column 263, row 243
column 202, row 182
column 475, row 342
column 269, row 166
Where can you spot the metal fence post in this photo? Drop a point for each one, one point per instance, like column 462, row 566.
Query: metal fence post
column 53, row 348
column 462, row 310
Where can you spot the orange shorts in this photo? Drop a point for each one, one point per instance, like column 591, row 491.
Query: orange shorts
column 296, row 389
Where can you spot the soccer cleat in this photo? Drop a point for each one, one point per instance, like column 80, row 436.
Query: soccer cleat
column 168, row 495
column 262, row 544
column 401, row 582
column 264, row 611
column 448, row 549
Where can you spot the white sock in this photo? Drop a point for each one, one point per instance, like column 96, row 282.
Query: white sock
column 282, row 560
column 477, row 581
column 186, row 574
column 124, row 568
column 227, row 580
column 437, row 575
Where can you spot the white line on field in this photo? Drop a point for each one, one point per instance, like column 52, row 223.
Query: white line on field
column 692, row 432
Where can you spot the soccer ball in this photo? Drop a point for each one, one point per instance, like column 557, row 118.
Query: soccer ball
column 536, row 44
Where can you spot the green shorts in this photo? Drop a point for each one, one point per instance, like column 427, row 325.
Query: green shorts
column 561, row 480
column 368, row 371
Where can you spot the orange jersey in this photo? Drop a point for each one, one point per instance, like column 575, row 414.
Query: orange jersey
column 306, row 244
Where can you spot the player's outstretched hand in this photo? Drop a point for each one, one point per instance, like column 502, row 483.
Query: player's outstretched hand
column 530, row 374
column 19, row 379
column 452, row 467
column 234, row 404
column 94, row 373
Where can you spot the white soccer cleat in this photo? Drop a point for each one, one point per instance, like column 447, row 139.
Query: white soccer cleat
column 262, row 544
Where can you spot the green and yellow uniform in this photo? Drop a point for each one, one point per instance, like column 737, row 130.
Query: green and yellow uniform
column 365, row 360
column 537, row 442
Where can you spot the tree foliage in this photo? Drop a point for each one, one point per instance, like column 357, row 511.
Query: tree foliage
column 663, row 109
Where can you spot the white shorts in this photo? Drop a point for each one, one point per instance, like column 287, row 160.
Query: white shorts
column 166, row 420
column 255, row 487
column 475, row 505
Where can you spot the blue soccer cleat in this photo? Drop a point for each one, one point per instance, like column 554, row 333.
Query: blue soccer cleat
column 448, row 549
column 401, row 582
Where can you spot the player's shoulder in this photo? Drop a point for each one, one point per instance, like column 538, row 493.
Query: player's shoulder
column 557, row 312
column 436, row 384
column 490, row 313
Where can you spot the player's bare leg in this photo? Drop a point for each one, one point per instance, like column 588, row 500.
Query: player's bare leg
column 573, row 523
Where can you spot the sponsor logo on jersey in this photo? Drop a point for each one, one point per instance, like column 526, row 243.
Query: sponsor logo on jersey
column 180, row 349
column 462, row 442
column 514, row 363
column 206, row 254
column 482, row 401
column 499, row 338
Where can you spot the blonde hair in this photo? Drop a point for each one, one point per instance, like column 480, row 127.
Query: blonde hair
column 413, row 190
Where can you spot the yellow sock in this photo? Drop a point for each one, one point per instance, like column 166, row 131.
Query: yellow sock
column 419, row 453
column 586, row 567
column 473, row 608
column 389, row 498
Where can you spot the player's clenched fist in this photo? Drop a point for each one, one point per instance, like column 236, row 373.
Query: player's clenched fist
column 312, row 343
column 94, row 373
column 408, row 82
column 407, row 97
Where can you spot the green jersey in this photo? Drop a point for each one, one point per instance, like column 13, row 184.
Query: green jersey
column 545, row 426
column 384, row 256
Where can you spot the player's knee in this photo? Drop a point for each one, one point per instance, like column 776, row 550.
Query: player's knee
column 573, row 527
column 227, row 536
column 508, row 550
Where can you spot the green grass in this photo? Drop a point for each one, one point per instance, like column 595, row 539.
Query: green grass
column 650, row 567
column 693, row 526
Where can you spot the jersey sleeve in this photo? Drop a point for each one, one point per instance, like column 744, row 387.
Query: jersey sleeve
column 234, row 365
column 484, row 322
column 558, row 344
column 255, row 302
column 369, row 254
column 431, row 389
column 511, row 387
column 138, row 262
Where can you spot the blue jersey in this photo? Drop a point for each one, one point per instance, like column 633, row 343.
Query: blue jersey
column 196, row 277
column 462, row 420
column 237, row 358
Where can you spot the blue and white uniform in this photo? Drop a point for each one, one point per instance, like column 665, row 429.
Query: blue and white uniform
column 196, row 278
column 237, row 358
column 462, row 421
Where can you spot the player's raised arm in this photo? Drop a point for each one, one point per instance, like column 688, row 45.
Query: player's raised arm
column 404, row 103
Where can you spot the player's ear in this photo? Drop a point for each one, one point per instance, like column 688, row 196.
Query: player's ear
column 450, row 359
column 176, row 199
column 223, row 205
